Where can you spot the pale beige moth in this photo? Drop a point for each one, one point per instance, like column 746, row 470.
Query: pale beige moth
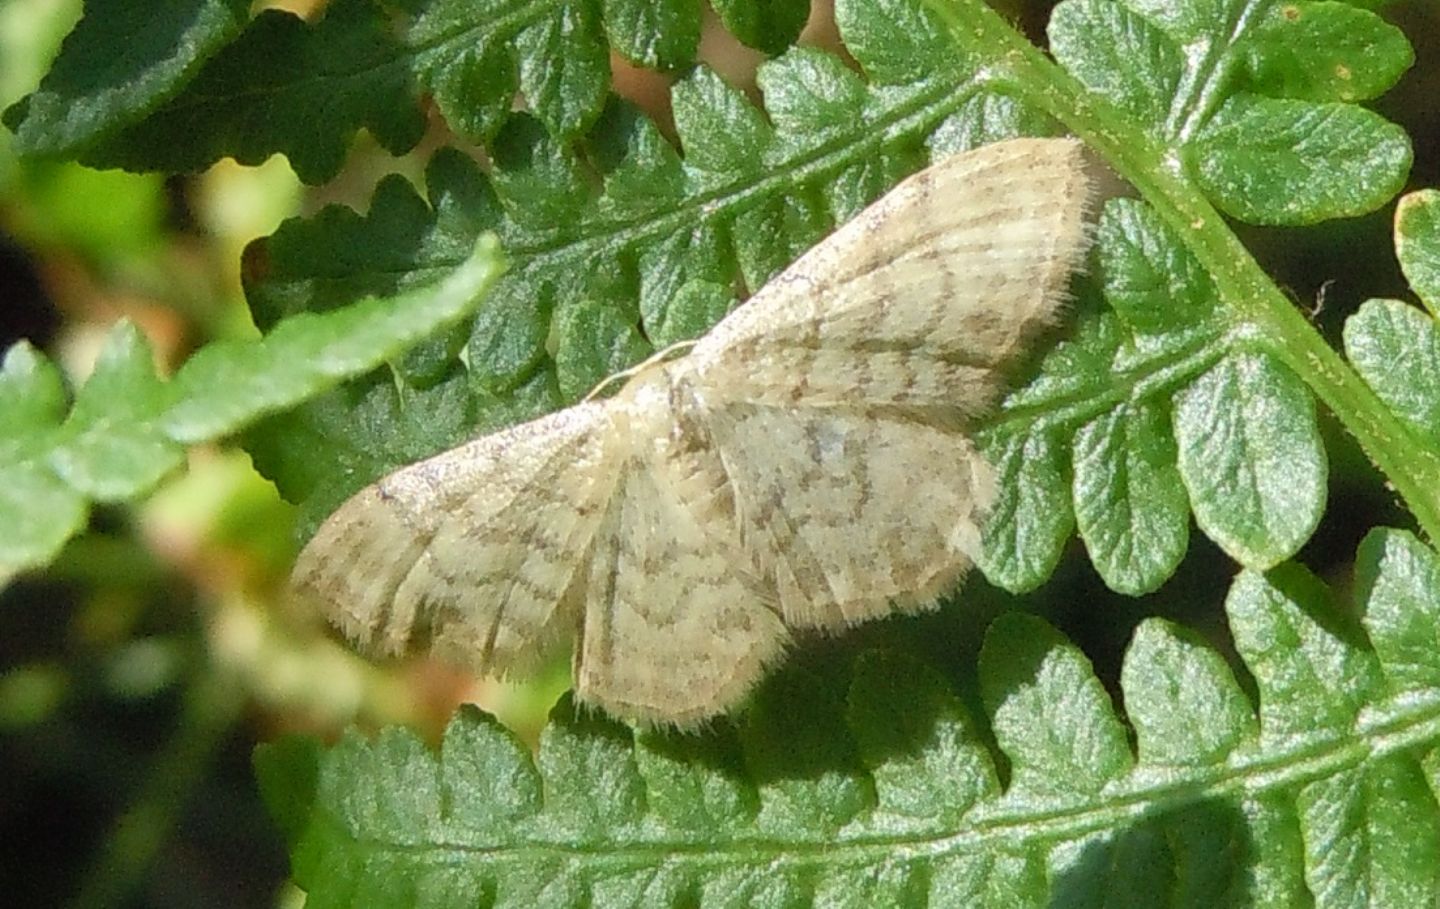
column 806, row 465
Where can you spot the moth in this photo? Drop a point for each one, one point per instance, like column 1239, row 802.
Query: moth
column 806, row 465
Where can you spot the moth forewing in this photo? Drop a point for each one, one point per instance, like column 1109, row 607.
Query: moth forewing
column 807, row 465
column 926, row 294
column 468, row 552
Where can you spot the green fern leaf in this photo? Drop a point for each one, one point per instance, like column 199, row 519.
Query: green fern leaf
column 40, row 510
column 280, row 86
column 1396, row 347
column 1393, row 345
column 1161, row 411
column 1268, row 131
column 1417, row 242
column 1324, row 52
column 767, row 25
column 122, row 61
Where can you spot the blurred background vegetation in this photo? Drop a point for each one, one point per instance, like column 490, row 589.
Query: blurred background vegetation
column 138, row 671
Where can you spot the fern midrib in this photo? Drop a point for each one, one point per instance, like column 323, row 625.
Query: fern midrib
column 1154, row 378
column 529, row 252
column 1414, row 720
column 909, row 117
column 41, row 458
column 1208, row 75
column 508, row 23
column 361, row 70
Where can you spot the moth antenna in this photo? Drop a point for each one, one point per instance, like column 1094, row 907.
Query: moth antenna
column 629, row 372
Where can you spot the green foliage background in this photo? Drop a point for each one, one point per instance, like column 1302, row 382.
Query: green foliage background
column 1112, row 715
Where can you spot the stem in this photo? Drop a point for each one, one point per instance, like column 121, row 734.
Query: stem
column 1264, row 316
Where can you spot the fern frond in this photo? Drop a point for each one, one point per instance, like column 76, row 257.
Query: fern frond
column 200, row 82
column 128, row 428
column 885, row 792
